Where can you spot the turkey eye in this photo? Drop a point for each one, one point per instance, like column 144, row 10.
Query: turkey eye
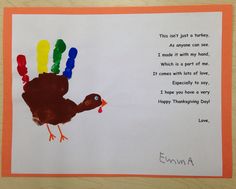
column 96, row 97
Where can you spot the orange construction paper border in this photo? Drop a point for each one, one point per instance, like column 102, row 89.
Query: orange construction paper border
column 226, row 78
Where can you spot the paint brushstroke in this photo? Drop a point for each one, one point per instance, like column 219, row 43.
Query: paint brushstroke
column 60, row 47
column 43, row 49
column 21, row 68
column 70, row 63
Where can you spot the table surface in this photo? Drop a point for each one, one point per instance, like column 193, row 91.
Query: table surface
column 117, row 182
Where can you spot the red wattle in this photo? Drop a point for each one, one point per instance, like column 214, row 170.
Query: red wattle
column 100, row 110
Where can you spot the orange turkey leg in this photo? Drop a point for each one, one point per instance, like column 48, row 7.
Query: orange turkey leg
column 51, row 136
column 62, row 136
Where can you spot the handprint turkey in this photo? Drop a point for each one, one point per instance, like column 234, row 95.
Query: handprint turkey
column 45, row 94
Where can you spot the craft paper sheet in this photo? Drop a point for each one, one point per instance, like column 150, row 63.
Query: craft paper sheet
column 160, row 75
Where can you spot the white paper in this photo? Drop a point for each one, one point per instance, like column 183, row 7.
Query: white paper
column 117, row 57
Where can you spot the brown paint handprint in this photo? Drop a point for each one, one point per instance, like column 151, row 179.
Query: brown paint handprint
column 44, row 94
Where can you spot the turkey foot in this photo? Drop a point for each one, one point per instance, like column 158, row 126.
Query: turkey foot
column 51, row 135
column 63, row 137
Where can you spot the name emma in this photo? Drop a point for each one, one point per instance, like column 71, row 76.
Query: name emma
column 175, row 161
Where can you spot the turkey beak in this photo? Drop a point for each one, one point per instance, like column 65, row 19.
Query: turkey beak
column 103, row 103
